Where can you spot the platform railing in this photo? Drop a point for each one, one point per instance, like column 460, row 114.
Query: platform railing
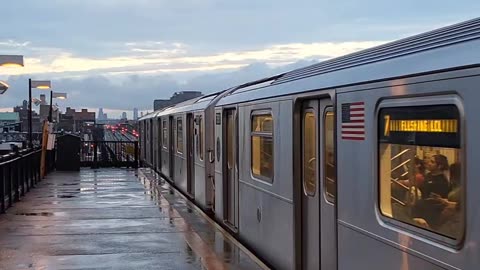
column 21, row 137
column 19, row 172
column 97, row 154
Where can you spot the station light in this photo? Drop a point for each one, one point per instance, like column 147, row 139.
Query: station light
column 53, row 95
column 11, row 60
column 3, row 87
column 34, row 84
column 41, row 84
column 59, row 95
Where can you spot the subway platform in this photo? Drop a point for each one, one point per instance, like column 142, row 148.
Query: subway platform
column 114, row 219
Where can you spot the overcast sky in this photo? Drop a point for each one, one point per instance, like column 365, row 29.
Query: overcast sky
column 121, row 54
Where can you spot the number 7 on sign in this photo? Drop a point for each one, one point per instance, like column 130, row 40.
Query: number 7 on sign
column 387, row 125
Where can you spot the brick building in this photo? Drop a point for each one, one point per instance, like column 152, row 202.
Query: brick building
column 75, row 121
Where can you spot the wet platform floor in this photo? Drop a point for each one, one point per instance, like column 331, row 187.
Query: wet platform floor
column 113, row 219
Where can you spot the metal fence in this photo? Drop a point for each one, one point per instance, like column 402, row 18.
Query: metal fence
column 19, row 172
column 21, row 137
column 109, row 154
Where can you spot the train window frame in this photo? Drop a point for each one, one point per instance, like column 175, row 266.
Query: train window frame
column 260, row 134
column 164, row 133
column 393, row 224
column 179, row 146
column 329, row 198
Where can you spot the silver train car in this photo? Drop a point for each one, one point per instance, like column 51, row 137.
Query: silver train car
column 358, row 162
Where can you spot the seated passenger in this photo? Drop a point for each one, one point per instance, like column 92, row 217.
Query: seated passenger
column 455, row 184
column 419, row 174
column 419, row 171
column 435, row 186
column 451, row 216
column 435, row 181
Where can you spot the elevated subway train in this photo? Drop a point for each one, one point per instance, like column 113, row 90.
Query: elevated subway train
column 358, row 162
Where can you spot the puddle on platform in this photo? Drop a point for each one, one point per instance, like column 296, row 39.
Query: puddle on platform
column 44, row 214
column 66, row 196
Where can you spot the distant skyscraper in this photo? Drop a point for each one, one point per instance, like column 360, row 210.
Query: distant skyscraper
column 101, row 116
column 124, row 115
column 135, row 114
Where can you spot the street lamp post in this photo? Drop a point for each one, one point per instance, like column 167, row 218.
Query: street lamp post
column 50, row 110
column 39, row 85
column 52, row 96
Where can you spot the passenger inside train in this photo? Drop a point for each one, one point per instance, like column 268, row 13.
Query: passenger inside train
column 420, row 170
column 435, row 187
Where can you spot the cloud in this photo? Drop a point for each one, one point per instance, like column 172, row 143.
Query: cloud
column 121, row 53
column 92, row 27
column 123, row 93
column 163, row 57
column 13, row 44
column 115, row 82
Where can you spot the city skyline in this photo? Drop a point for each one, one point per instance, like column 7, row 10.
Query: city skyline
column 112, row 114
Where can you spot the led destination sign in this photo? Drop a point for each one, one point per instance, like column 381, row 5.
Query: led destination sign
column 437, row 125
column 420, row 125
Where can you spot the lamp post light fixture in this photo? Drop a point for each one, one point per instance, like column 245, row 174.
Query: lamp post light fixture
column 52, row 96
column 39, row 85
column 36, row 101
column 3, row 87
column 11, row 60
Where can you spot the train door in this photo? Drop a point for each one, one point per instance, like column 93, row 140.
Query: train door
column 190, row 155
column 318, row 228
column 231, row 168
column 171, row 147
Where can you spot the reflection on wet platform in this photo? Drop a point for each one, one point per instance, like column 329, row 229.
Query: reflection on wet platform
column 108, row 219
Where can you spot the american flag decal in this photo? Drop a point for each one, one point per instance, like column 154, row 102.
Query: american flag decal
column 353, row 121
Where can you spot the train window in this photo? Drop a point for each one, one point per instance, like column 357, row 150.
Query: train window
column 329, row 156
column 164, row 133
column 179, row 136
column 420, row 168
column 309, row 153
column 200, row 138
column 262, row 146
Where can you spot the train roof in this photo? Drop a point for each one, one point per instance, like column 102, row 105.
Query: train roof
column 203, row 102
column 190, row 105
column 148, row 115
column 447, row 48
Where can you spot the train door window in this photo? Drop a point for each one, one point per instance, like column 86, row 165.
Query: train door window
column 420, row 168
column 329, row 155
column 262, row 145
column 309, row 153
column 179, row 135
column 200, row 138
column 164, row 133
